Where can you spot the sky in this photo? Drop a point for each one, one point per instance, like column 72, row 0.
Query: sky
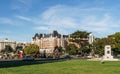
column 21, row 19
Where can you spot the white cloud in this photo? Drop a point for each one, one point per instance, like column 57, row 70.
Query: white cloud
column 21, row 5
column 68, row 19
column 10, row 21
column 42, row 28
column 23, row 18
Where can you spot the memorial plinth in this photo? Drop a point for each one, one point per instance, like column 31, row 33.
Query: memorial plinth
column 107, row 54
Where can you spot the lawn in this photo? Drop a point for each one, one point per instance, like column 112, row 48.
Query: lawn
column 66, row 67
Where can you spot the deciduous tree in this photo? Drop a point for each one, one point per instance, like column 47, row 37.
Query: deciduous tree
column 31, row 49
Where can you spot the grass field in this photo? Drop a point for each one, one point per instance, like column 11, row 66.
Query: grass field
column 66, row 67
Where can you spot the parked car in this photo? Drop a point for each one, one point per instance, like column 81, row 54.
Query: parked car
column 27, row 58
column 89, row 57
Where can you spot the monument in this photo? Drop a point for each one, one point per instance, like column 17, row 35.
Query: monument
column 91, row 38
column 107, row 54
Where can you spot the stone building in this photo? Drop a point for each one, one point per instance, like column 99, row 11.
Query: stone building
column 49, row 41
column 6, row 42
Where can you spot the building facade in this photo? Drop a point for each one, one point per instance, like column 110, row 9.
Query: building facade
column 49, row 41
column 6, row 42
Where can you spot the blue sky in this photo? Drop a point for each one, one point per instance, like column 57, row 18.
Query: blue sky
column 21, row 19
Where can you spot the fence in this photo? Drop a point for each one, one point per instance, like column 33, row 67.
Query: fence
column 14, row 63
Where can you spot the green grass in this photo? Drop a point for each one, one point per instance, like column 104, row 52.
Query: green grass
column 66, row 67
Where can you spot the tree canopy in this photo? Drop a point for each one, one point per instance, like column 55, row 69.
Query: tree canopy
column 113, row 40
column 71, row 49
column 79, row 40
column 8, row 49
column 80, row 37
column 31, row 49
column 79, row 34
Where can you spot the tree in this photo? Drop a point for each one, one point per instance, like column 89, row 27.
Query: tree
column 71, row 49
column 80, row 34
column 19, row 48
column 58, row 51
column 98, row 47
column 100, row 43
column 80, row 37
column 80, row 41
column 31, row 50
column 116, row 44
column 84, row 50
column 8, row 49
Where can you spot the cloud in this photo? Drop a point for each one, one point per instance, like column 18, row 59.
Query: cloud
column 12, row 21
column 42, row 28
column 67, row 19
column 9, row 21
column 21, row 5
column 23, row 18
column 94, row 24
column 101, row 26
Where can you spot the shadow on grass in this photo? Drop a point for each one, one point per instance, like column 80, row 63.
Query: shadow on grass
column 15, row 63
